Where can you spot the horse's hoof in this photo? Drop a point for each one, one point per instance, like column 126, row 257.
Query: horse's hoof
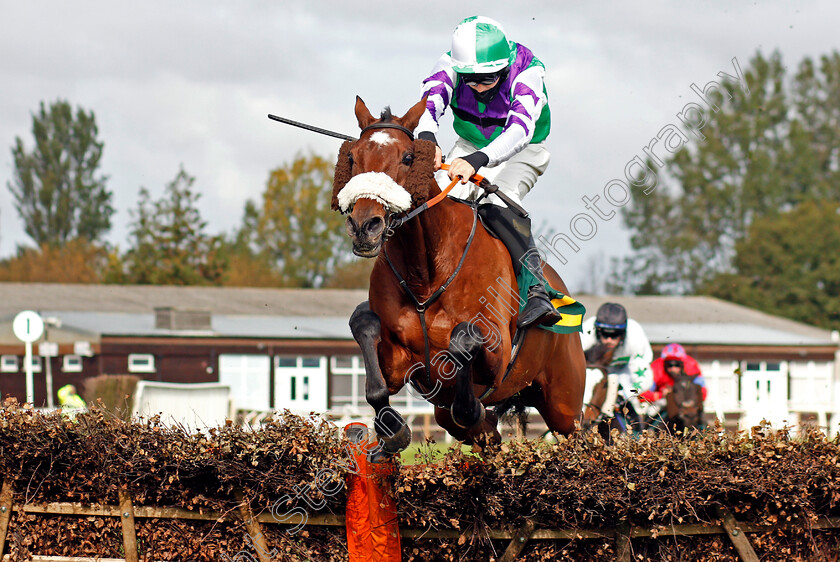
column 378, row 456
column 470, row 425
column 397, row 442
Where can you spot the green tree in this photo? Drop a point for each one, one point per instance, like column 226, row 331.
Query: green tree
column 788, row 265
column 766, row 151
column 57, row 191
column 169, row 245
column 295, row 229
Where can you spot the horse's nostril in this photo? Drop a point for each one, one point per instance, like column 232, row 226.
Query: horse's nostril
column 351, row 226
column 374, row 225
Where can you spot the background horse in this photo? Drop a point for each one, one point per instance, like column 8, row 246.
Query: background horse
column 602, row 391
column 443, row 296
column 684, row 404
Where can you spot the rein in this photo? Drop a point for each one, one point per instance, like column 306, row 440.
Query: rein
column 396, row 223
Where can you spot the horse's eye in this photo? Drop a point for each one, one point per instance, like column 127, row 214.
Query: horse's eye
column 408, row 158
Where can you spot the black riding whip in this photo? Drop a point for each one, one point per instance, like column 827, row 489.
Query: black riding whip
column 487, row 186
column 311, row 128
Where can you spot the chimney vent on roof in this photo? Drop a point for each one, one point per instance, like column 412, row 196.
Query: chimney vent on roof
column 169, row 318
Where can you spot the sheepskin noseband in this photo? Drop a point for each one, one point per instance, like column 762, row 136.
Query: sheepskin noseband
column 378, row 186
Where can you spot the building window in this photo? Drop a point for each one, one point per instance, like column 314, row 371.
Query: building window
column 141, row 363
column 36, row 363
column 9, row 364
column 72, row 364
column 347, row 383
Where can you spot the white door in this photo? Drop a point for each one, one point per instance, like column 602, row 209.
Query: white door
column 248, row 377
column 300, row 384
column 764, row 393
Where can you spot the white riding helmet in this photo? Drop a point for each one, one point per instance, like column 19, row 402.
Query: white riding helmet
column 479, row 46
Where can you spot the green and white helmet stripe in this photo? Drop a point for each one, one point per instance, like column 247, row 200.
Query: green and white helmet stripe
column 479, row 46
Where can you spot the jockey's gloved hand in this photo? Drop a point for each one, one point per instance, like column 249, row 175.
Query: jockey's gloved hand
column 477, row 159
column 465, row 167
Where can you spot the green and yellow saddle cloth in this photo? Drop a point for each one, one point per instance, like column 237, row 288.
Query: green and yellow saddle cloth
column 571, row 310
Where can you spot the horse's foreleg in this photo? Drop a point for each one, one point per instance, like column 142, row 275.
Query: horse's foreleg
column 467, row 411
column 394, row 434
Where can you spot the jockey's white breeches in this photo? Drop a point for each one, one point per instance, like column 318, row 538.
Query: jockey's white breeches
column 515, row 176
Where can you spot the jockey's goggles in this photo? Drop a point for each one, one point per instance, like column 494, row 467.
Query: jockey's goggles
column 604, row 333
column 669, row 364
column 481, row 79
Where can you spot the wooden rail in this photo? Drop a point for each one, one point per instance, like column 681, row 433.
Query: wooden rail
column 622, row 534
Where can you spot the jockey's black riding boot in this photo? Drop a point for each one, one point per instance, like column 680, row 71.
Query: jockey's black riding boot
column 538, row 309
column 515, row 232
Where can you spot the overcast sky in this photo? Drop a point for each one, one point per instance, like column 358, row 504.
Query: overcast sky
column 191, row 82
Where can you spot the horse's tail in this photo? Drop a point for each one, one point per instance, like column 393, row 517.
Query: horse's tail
column 513, row 411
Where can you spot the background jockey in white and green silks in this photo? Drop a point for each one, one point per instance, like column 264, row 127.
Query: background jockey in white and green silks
column 496, row 91
column 632, row 356
column 68, row 399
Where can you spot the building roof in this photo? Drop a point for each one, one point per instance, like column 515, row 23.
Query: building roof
column 58, row 297
column 222, row 325
column 89, row 311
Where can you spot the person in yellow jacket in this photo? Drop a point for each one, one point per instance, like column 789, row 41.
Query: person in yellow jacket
column 69, row 399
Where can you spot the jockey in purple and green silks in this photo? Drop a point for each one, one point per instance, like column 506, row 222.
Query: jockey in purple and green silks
column 500, row 109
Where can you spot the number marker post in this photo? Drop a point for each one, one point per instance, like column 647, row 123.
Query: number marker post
column 28, row 327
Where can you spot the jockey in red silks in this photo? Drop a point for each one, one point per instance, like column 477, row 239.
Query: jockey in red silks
column 671, row 361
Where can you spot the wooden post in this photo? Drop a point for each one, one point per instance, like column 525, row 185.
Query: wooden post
column 622, row 542
column 518, row 542
column 7, row 496
column 737, row 536
column 255, row 537
column 129, row 534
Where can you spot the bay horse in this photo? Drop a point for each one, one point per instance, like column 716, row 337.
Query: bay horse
column 441, row 314
column 684, row 404
column 598, row 411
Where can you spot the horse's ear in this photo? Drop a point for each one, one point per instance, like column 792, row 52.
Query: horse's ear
column 363, row 115
column 412, row 116
column 343, row 172
column 421, row 175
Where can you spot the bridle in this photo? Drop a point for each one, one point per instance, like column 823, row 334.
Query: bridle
column 393, row 222
column 387, row 125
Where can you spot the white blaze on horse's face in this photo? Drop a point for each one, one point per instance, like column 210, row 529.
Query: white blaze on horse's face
column 382, row 138
column 378, row 186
